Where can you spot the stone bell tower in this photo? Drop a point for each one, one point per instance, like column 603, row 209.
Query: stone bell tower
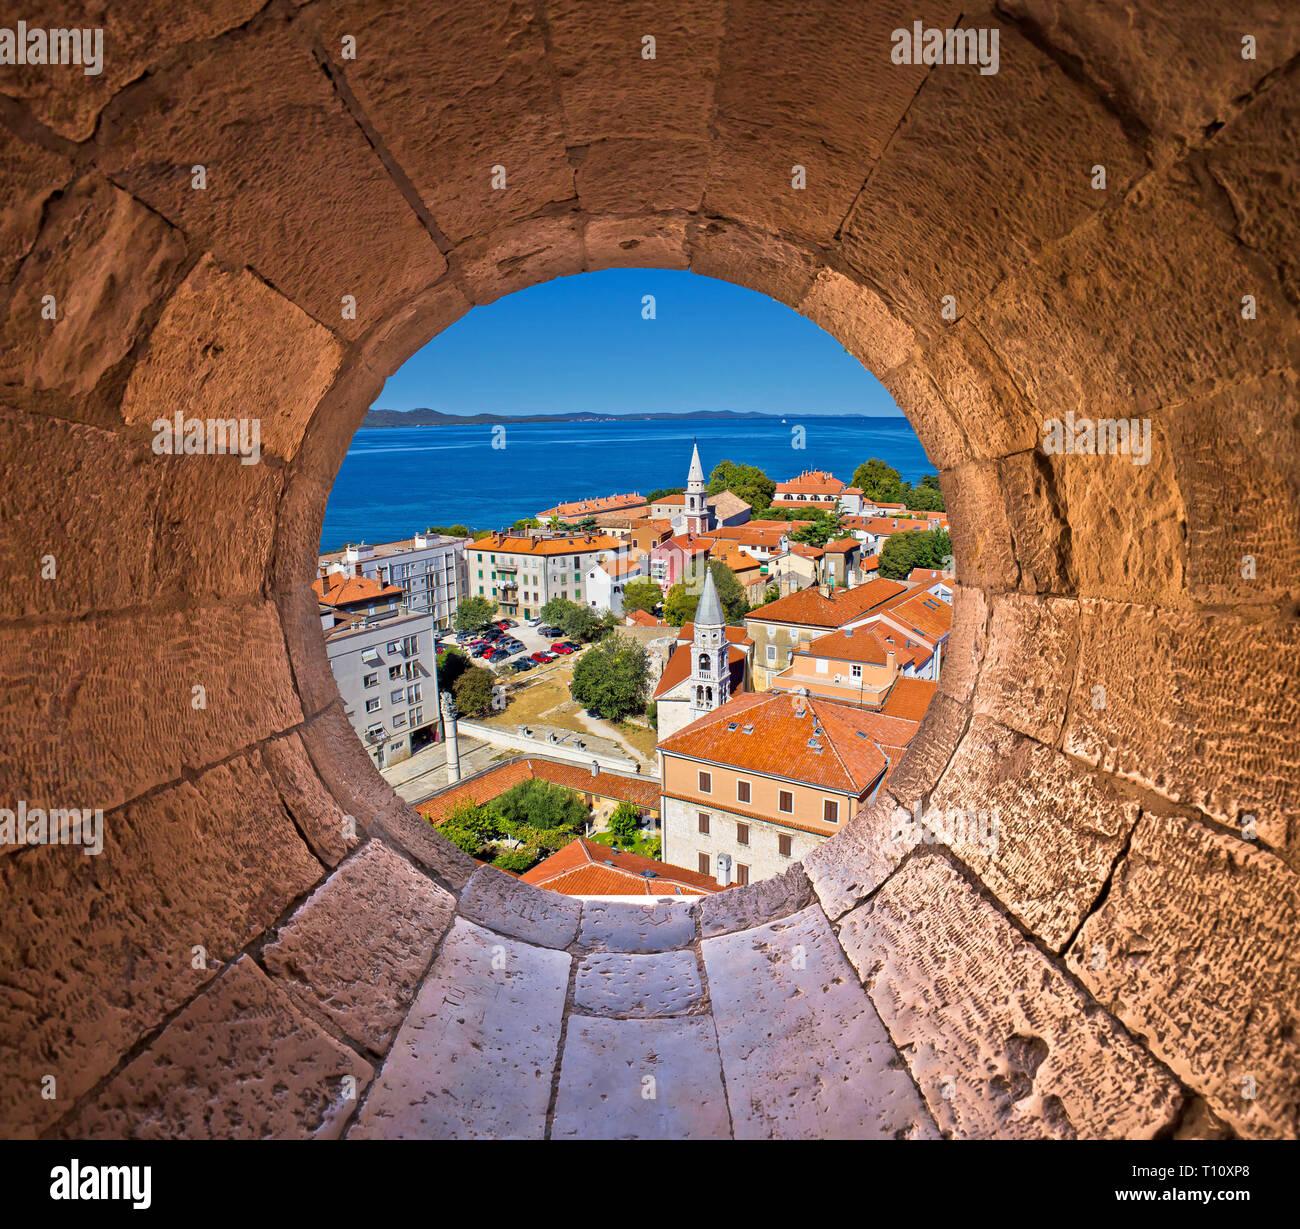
column 696, row 518
column 710, row 671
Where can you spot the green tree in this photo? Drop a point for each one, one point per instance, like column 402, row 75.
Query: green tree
column 878, row 481
column 451, row 665
column 473, row 613
column 611, row 678
column 576, row 622
column 747, row 482
column 825, row 528
column 641, row 595
column 661, row 492
column 516, row 860
column 470, row 827
column 916, row 548
column 529, row 522
column 539, row 804
column 925, row 496
column 589, row 524
column 473, row 691
column 625, row 822
column 680, row 604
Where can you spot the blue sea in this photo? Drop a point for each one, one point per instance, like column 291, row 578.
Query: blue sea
column 396, row 481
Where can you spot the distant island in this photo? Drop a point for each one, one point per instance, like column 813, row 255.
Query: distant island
column 434, row 418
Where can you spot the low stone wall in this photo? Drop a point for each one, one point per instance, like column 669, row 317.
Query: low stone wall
column 569, row 751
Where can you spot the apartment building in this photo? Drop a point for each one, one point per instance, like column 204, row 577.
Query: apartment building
column 520, row 573
column 605, row 582
column 383, row 658
column 763, row 780
column 428, row 567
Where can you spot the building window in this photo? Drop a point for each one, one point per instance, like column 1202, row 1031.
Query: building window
column 742, row 791
column 706, row 783
column 391, row 646
column 742, row 834
column 783, row 844
column 786, row 802
column 831, row 811
column 370, row 680
column 394, row 672
column 855, row 671
column 417, row 715
column 396, row 696
column 771, row 654
column 372, row 706
column 413, row 694
column 704, row 864
column 399, row 720
column 742, row 875
column 704, row 823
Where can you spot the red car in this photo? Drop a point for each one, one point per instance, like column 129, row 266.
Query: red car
column 541, row 655
column 560, row 647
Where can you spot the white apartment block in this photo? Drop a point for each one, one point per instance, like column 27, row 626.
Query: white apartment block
column 520, row 573
column 428, row 568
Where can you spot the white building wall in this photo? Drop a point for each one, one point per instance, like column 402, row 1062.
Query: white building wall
column 683, row 842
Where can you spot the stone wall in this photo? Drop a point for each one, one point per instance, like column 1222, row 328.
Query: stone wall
column 1123, row 677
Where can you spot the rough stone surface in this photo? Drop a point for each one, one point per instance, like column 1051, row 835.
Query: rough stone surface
column 409, row 830
column 102, row 710
column 764, row 901
column 1151, row 684
column 327, row 829
column 476, row 1055
column 804, row 1053
column 859, row 858
column 640, row 1079
column 1001, row 1043
column 30, row 174
column 239, row 1062
column 1194, row 950
column 358, row 945
column 208, row 865
column 928, row 753
column 658, row 984
column 1039, row 830
column 615, row 926
column 491, row 898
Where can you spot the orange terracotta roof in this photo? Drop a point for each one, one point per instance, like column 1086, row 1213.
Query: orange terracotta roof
column 640, row 791
column 812, row 481
column 929, row 615
column 587, row 868
column 846, row 758
column 809, row 608
column 589, row 507
column 909, row 698
column 886, row 524
column 571, row 544
column 860, row 644
column 643, row 618
column 339, row 590
column 842, row 546
column 670, row 501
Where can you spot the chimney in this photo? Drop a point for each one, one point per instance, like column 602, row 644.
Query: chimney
column 595, row 769
column 891, row 661
column 724, row 870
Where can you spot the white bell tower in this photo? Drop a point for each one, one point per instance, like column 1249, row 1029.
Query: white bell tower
column 710, row 670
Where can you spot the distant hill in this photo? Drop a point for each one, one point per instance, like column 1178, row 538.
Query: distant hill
column 434, row 418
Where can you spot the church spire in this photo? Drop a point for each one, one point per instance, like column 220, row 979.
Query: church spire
column 709, row 612
column 696, row 477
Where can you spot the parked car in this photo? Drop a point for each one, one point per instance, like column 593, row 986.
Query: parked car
column 545, row 629
column 561, row 648
column 506, row 624
column 524, row 663
column 498, row 655
column 492, row 633
column 515, row 646
column 481, row 650
column 541, row 656
column 573, row 646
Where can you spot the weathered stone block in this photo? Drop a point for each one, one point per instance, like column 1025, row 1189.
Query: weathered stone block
column 643, row 241
column 764, row 901
column 477, row 1053
column 229, row 347
column 359, row 944
column 239, row 1062
column 640, row 1079
column 755, row 259
column 626, row 176
column 1194, row 950
column 967, row 644
column 30, row 174
column 858, row 859
column 523, row 255
column 658, row 984
column 1029, row 664
column 1000, row 1043
column 406, row 828
column 928, row 753
column 981, row 535
column 329, row 832
column 103, row 947
column 616, row 926
column 804, row 1053
column 938, row 429
column 1039, row 830
column 509, row 907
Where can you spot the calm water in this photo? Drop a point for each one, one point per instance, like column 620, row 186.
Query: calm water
column 397, row 480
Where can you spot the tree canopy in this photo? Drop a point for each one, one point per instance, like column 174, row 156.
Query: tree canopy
column 825, row 527
column 473, row 613
column 916, row 548
column 473, row 691
column 612, row 678
column 576, row 622
column 642, row 594
column 878, row 481
column 747, row 482
column 680, row 604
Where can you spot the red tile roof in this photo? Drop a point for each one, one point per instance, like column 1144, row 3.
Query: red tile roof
column 846, row 758
column 809, row 608
column 336, row 589
column 586, row 868
column 590, row 507
column 643, row 618
column 909, row 698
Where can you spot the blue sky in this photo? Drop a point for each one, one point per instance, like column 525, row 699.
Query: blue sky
column 580, row 344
